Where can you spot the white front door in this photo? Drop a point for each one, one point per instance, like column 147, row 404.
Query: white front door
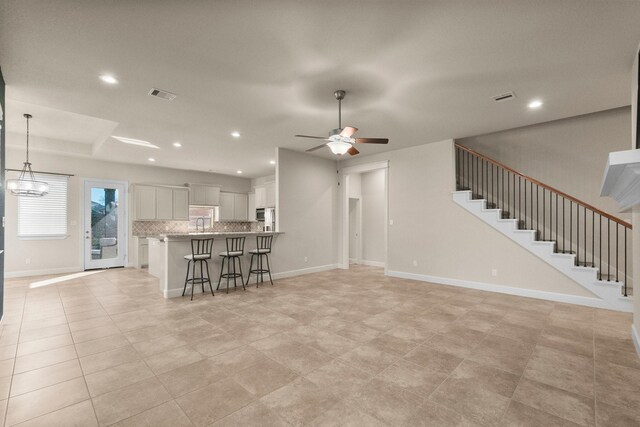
column 105, row 231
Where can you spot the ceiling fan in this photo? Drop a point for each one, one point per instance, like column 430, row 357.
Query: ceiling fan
column 340, row 140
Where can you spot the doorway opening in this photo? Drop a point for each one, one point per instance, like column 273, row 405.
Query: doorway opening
column 365, row 214
column 105, row 230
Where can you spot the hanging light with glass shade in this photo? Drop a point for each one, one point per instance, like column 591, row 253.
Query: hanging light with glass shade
column 26, row 184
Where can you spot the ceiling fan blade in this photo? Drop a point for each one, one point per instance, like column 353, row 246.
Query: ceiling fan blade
column 353, row 151
column 309, row 136
column 315, row 148
column 348, row 131
column 372, row 140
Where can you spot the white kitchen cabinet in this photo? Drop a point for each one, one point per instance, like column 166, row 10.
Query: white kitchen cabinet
column 145, row 201
column 240, row 202
column 261, row 197
column 180, row 203
column 142, row 249
column 155, row 202
column 251, row 207
column 227, row 207
column 270, row 195
column 233, row 207
column 204, row 195
column 164, row 203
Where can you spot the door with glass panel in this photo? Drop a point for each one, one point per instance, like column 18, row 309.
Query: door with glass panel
column 105, row 230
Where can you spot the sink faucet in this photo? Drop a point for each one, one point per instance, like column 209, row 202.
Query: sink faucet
column 197, row 221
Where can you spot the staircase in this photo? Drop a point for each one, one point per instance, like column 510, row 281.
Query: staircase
column 590, row 246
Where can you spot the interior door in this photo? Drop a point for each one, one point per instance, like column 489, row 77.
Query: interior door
column 354, row 231
column 105, row 232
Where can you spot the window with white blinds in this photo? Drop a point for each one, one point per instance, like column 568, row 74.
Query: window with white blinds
column 45, row 216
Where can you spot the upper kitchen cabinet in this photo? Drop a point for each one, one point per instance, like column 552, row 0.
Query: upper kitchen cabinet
column 181, row 203
column 233, row 207
column 266, row 195
column 156, row 202
column 145, row 201
column 204, row 195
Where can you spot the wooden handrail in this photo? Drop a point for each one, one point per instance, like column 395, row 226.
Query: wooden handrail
column 543, row 185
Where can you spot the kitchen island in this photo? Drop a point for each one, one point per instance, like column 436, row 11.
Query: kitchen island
column 167, row 263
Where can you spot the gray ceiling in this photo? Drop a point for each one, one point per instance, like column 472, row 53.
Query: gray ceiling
column 414, row 71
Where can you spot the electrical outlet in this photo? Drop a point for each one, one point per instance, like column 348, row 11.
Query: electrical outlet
column 494, row 272
column 27, row 260
column 415, row 263
column 390, row 222
column 306, row 259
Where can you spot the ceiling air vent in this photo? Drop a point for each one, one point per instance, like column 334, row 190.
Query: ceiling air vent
column 162, row 94
column 506, row 96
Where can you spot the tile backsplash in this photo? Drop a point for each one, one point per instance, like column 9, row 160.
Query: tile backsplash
column 154, row 228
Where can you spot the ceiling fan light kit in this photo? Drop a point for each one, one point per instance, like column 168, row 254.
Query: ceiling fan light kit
column 26, row 185
column 340, row 140
column 339, row 147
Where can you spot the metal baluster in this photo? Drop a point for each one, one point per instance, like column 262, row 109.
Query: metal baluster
column 544, row 214
column 593, row 238
column 564, row 242
column 626, row 278
column 570, row 226
column 608, row 249
column 617, row 250
column 585, row 234
column 600, row 245
column 525, row 205
column 577, row 234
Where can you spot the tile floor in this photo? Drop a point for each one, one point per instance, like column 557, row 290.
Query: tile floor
column 335, row 348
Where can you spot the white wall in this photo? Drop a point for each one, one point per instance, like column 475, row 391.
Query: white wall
column 373, row 216
column 441, row 237
column 355, row 185
column 66, row 255
column 636, row 209
column 568, row 154
column 307, row 212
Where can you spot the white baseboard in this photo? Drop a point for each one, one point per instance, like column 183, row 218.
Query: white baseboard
column 171, row 293
column 372, row 263
column 43, row 272
column 636, row 338
column 510, row 290
column 293, row 273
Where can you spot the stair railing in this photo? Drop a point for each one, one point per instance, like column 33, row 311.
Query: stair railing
column 598, row 239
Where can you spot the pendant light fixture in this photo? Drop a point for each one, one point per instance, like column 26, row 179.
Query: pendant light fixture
column 26, row 185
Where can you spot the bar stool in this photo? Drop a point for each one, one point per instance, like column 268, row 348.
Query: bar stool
column 235, row 249
column 263, row 249
column 200, row 253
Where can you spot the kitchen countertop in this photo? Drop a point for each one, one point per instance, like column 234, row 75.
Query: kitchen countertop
column 185, row 236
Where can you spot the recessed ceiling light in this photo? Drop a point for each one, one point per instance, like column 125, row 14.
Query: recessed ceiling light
column 138, row 142
column 177, row 144
column 151, row 159
column 108, row 78
column 536, row 103
column 235, row 134
column 238, row 171
column 273, row 162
